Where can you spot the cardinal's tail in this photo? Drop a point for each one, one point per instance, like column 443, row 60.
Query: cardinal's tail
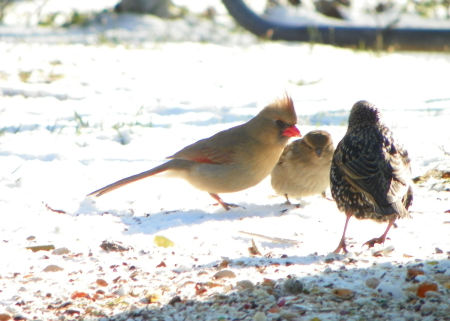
column 131, row 179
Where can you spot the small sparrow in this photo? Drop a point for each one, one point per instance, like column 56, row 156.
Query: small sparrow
column 304, row 166
column 370, row 173
column 231, row 160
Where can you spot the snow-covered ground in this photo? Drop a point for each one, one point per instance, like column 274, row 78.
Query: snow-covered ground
column 79, row 110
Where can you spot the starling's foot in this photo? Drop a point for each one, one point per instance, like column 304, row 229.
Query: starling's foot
column 342, row 246
column 377, row 240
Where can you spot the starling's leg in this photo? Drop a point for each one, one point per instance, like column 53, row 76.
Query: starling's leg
column 382, row 238
column 341, row 245
column 226, row 206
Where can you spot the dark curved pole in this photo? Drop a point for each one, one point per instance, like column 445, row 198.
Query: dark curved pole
column 368, row 37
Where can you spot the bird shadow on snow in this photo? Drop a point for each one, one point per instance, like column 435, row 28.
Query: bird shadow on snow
column 245, row 262
column 164, row 220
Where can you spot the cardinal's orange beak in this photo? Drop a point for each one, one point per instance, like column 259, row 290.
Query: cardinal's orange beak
column 292, row 131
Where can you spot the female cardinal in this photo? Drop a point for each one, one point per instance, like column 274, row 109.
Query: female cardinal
column 370, row 173
column 233, row 159
column 304, row 166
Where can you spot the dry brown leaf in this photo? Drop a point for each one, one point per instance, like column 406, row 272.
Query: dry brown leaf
column 200, row 289
column 274, row 309
column 53, row 210
column 113, row 247
column 412, row 273
column 153, row 298
column 80, row 295
column 425, row 287
column 101, row 282
column 212, row 284
column 41, row 248
column 268, row 283
column 224, row 264
column 253, row 250
column 4, row 317
column 343, row 294
column 162, row 264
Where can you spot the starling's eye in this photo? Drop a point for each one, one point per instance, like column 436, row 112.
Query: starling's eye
column 281, row 124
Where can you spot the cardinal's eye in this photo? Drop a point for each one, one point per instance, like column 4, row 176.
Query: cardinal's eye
column 281, row 124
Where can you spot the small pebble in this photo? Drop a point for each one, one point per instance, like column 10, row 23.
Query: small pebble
column 121, row 291
column 427, row 308
column 259, row 316
column 372, row 283
column 53, row 268
column 174, row 300
column 293, row 286
column 224, row 274
column 61, row 251
column 244, row 285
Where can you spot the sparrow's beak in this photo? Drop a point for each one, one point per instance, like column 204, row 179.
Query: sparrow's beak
column 318, row 151
column 292, row 131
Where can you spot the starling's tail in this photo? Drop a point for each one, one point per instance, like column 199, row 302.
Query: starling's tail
column 399, row 208
column 396, row 208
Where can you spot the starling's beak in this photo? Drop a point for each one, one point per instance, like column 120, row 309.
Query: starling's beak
column 318, row 151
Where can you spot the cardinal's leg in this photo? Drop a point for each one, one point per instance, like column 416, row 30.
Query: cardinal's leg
column 226, row 206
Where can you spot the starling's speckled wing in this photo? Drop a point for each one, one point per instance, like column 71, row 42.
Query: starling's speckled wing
column 364, row 174
column 373, row 175
column 400, row 183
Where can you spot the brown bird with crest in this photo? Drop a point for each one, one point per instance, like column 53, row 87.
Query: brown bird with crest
column 233, row 159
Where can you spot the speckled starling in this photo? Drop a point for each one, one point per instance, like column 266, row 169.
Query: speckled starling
column 304, row 166
column 370, row 173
